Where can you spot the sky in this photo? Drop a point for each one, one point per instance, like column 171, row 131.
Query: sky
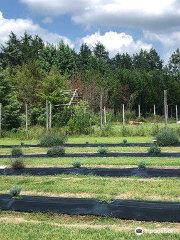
column 121, row 25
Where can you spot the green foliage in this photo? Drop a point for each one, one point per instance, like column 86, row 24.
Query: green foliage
column 37, row 116
column 154, row 149
column 11, row 115
column 26, row 79
column 17, row 164
column 56, row 151
column 107, row 130
column 32, row 72
column 52, row 139
column 17, row 152
column 167, row 138
column 52, row 86
column 62, row 117
column 141, row 165
column 15, row 191
column 82, row 120
column 76, row 164
column 102, row 150
column 23, row 50
column 84, row 54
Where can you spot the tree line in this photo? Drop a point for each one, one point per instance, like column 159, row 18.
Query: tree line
column 32, row 72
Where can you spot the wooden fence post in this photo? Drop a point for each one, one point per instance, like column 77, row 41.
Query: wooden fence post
column 101, row 106
column 139, row 110
column 50, row 116
column 123, row 117
column 47, row 116
column 26, row 106
column 154, row 110
column 177, row 114
column 105, row 118
column 0, row 117
column 165, row 109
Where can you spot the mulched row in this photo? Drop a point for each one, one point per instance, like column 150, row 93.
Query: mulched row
column 74, row 145
column 103, row 172
column 123, row 209
column 82, row 145
column 94, row 155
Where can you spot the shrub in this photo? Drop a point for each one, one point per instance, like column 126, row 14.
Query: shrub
column 154, row 149
column 18, row 164
column 52, row 139
column 15, row 191
column 76, row 164
column 82, row 121
column 125, row 142
column 141, row 165
column 167, row 138
column 107, row 130
column 103, row 150
column 17, row 152
column 56, row 151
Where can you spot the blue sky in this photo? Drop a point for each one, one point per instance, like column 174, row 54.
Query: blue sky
column 121, row 25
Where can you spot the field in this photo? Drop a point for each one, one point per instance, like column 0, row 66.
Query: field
column 14, row 225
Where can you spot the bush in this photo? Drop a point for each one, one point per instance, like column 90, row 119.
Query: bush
column 125, row 142
column 17, row 152
column 15, row 191
column 56, row 151
column 37, row 116
column 107, row 130
column 82, row 121
column 102, row 150
column 18, row 164
column 76, row 164
column 154, row 149
column 167, row 138
column 141, row 165
column 52, row 139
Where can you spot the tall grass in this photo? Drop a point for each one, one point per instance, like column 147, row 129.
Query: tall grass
column 111, row 130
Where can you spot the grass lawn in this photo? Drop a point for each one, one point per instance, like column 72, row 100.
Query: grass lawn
column 98, row 162
column 20, row 226
column 82, row 139
column 37, row 150
column 95, row 187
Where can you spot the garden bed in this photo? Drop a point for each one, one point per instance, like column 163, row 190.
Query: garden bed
column 93, row 155
column 73, row 145
column 124, row 209
column 103, row 172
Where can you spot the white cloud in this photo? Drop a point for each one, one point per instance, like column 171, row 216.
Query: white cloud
column 19, row 26
column 169, row 41
column 47, row 20
column 145, row 14
column 116, row 42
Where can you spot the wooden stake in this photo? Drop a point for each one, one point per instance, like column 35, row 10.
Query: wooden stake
column 101, row 106
column 123, row 116
column 139, row 110
column 26, row 106
column 177, row 119
column 0, row 117
column 47, row 116
column 154, row 110
column 105, row 119
column 165, row 110
column 50, row 116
